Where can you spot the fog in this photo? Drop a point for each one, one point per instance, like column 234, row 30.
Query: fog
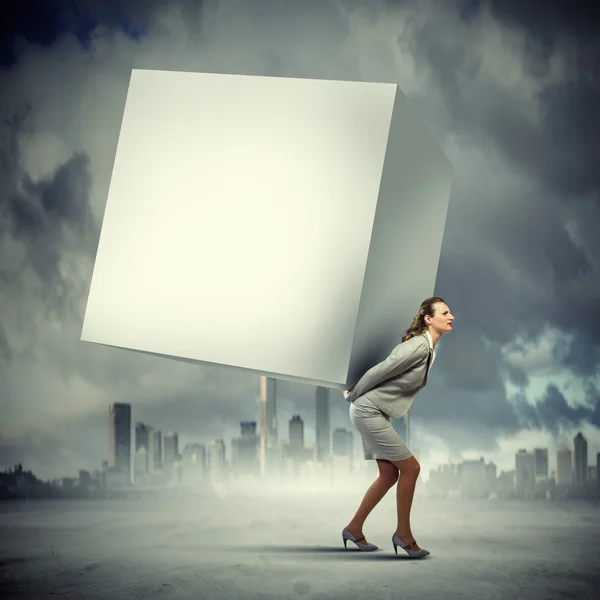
column 250, row 543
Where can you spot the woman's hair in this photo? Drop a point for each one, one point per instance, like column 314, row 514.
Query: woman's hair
column 418, row 325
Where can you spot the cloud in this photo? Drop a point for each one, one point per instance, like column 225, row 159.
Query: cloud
column 520, row 253
column 529, row 167
column 554, row 413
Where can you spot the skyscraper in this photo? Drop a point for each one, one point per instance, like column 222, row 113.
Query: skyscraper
column 140, row 463
column 142, row 438
column 267, row 420
column 342, row 442
column 194, row 460
column 119, row 438
column 248, row 428
column 541, row 463
column 155, row 450
column 267, row 413
column 323, row 427
column 473, row 473
column 296, row 432
column 525, row 470
column 564, row 472
column 245, row 456
column 171, row 448
column 490, row 473
column 581, row 459
column 216, row 457
column 598, row 475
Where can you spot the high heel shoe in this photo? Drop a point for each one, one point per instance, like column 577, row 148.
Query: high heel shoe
column 346, row 535
column 407, row 548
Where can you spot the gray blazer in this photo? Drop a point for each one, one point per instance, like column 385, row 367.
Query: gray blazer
column 392, row 384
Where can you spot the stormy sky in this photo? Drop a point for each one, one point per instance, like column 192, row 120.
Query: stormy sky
column 511, row 92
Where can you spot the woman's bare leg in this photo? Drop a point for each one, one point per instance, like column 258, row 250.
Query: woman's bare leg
column 409, row 472
column 388, row 476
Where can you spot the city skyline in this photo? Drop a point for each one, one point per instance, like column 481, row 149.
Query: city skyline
column 310, row 436
column 200, row 464
column 144, row 448
column 141, row 456
column 247, row 451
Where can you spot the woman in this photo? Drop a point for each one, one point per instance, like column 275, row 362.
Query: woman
column 387, row 390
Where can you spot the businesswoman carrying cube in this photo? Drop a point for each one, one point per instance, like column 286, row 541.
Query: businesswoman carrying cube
column 384, row 391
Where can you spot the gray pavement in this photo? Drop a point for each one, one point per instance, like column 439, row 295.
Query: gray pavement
column 243, row 545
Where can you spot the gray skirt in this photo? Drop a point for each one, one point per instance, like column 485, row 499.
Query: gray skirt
column 379, row 439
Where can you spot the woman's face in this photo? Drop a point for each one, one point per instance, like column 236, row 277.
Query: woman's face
column 442, row 318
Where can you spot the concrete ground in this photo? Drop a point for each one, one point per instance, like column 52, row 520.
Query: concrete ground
column 236, row 545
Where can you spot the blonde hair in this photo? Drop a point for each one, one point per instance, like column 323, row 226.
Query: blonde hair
column 418, row 326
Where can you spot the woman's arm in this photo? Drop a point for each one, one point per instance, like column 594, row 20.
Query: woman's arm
column 403, row 357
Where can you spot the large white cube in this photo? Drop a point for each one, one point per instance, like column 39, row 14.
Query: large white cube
column 290, row 227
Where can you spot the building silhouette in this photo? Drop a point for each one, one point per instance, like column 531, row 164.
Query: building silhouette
column 525, row 471
column 267, row 415
column 248, row 429
column 491, row 471
column 323, row 426
column 564, row 468
column 171, row 440
column 216, row 457
column 342, row 442
column 296, row 451
column 581, row 459
column 140, row 462
column 296, row 432
column 194, row 460
column 142, row 438
column 119, row 438
column 245, row 450
column 155, row 450
column 598, row 475
column 473, row 477
column 541, row 463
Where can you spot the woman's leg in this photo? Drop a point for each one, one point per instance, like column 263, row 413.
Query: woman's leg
column 409, row 472
column 388, row 476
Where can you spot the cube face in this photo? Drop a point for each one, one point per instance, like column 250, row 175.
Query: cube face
column 406, row 238
column 243, row 222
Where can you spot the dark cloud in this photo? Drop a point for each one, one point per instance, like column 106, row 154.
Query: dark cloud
column 492, row 415
column 571, row 125
column 487, row 412
column 549, row 22
column 5, row 350
column 582, row 355
column 554, row 413
column 45, row 21
column 50, row 203
column 529, row 416
column 592, row 398
column 548, row 145
column 559, row 150
column 547, row 27
column 50, row 217
column 468, row 365
column 321, row 18
column 516, row 376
